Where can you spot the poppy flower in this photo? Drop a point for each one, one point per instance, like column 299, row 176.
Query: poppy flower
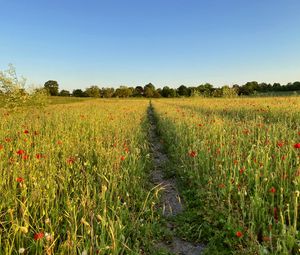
column 1, row 147
column 272, row 190
column 59, row 142
column 39, row 156
column 239, row 234
column 38, row 236
column 122, row 158
column 19, row 179
column 297, row 145
column 20, row 152
column 25, row 157
column 280, row 144
column 192, row 154
column 71, row 160
column 26, row 131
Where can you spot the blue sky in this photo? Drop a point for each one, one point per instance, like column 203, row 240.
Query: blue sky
column 167, row 42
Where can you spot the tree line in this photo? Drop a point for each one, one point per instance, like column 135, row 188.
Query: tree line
column 149, row 90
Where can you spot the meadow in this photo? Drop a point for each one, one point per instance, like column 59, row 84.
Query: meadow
column 75, row 176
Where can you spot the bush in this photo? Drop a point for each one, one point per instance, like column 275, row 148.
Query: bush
column 14, row 94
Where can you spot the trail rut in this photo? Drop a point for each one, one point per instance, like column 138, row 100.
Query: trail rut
column 171, row 202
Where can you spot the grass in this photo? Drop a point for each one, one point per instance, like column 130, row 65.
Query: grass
column 75, row 176
column 239, row 171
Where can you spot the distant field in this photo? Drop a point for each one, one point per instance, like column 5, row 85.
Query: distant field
column 75, row 175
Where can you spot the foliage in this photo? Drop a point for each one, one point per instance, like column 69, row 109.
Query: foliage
column 14, row 95
column 74, row 180
column 52, row 87
column 238, row 163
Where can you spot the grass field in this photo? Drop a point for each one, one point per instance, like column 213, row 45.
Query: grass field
column 75, row 177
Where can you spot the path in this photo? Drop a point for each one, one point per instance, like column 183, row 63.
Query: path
column 171, row 202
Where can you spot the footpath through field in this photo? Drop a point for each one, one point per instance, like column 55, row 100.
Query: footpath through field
column 171, row 202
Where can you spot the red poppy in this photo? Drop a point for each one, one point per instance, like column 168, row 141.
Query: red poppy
column 272, row 190
column 25, row 157
column 7, row 140
column 71, row 160
column 1, row 147
column 59, row 142
column 242, row 170
column 39, row 156
column 193, row 154
column 38, row 236
column 26, row 131
column 239, row 234
column 19, row 179
column 20, row 152
column 221, row 185
column 126, row 150
column 297, row 145
column 280, row 144
column 122, row 158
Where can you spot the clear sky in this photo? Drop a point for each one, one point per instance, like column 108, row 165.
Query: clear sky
column 167, row 42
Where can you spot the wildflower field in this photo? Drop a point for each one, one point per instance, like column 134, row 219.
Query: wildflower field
column 239, row 164
column 74, row 178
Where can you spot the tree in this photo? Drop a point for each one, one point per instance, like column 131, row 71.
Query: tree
column 123, row 91
column 107, row 92
column 13, row 92
column 228, row 92
column 64, row 93
column 183, row 91
column 78, row 93
column 93, row 91
column 149, row 90
column 52, row 87
column 138, row 91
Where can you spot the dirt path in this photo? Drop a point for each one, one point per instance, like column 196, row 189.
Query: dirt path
column 171, row 202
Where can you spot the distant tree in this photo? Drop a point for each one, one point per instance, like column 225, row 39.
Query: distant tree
column 249, row 88
column 107, row 92
column 157, row 93
column 78, row 93
column 296, row 85
column 166, row 92
column 64, row 93
column 217, row 92
column 93, row 91
column 194, row 92
column 206, row 89
column 123, row 91
column 183, row 91
column 149, row 90
column 138, row 91
column 276, row 86
column 52, row 87
column 228, row 92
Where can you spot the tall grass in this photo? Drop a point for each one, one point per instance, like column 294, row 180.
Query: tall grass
column 73, row 179
column 240, row 162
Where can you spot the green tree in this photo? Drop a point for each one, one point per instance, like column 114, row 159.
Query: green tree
column 52, row 87
column 149, row 90
column 64, row 93
column 183, row 91
column 93, row 91
column 228, row 92
column 14, row 94
column 78, row 93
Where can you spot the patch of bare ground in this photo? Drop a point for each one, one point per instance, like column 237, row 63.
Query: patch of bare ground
column 171, row 202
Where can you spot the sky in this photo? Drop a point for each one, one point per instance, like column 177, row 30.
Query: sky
column 109, row 43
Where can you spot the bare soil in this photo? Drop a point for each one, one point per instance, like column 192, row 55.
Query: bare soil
column 171, row 203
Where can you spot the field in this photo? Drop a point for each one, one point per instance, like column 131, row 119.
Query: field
column 75, row 177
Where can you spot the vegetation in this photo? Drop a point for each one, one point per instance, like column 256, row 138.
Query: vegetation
column 238, row 162
column 74, row 177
